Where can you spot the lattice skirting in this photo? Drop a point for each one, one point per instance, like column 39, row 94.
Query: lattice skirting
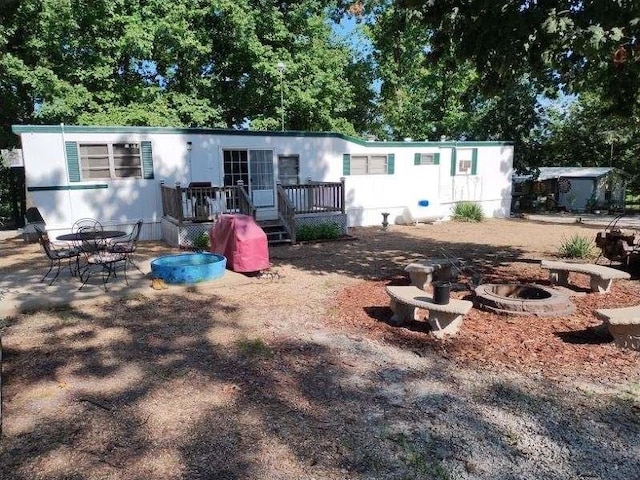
column 183, row 236
column 314, row 219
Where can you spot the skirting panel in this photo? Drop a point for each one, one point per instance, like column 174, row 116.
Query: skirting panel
column 183, row 236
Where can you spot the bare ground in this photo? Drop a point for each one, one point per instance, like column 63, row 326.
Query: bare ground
column 301, row 376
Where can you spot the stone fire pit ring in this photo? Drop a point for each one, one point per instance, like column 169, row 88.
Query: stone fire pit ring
column 522, row 299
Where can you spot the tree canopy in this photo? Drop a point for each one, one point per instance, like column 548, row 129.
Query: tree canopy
column 475, row 69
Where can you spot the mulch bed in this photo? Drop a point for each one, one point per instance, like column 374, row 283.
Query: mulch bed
column 551, row 346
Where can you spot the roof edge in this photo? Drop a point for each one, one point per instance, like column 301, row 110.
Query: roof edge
column 21, row 129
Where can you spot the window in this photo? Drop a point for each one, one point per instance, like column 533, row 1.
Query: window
column 426, row 159
column 369, row 165
column 465, row 161
column 289, row 169
column 110, row 160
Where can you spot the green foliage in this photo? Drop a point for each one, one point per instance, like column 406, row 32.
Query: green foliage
column 201, row 242
column 576, row 246
column 254, row 348
column 468, row 212
column 322, row 231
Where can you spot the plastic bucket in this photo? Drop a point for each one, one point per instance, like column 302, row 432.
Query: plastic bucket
column 441, row 291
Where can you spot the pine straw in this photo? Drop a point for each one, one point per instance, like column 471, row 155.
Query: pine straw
column 570, row 346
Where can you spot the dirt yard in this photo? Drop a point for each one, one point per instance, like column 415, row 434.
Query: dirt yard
column 299, row 375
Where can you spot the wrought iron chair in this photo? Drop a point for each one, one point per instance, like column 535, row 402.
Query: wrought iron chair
column 127, row 245
column 85, row 228
column 57, row 254
column 97, row 259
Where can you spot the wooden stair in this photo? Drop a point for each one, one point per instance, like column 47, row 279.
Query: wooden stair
column 276, row 233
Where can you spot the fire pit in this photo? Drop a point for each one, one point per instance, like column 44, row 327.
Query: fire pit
column 522, row 299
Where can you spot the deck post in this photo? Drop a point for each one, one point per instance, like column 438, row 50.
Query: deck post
column 178, row 204
column 342, row 195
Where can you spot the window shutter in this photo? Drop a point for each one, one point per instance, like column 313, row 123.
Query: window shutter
column 436, row 158
column 73, row 162
column 346, row 164
column 391, row 163
column 474, row 161
column 147, row 160
column 454, row 160
column 416, row 159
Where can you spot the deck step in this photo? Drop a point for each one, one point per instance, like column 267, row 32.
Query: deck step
column 276, row 233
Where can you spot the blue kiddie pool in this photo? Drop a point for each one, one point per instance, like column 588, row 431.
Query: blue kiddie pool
column 188, row 267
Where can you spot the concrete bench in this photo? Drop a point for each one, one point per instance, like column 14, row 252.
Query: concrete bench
column 423, row 272
column 443, row 319
column 623, row 324
column 601, row 277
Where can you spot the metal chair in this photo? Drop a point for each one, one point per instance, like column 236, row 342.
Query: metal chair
column 56, row 254
column 99, row 259
column 127, row 245
column 86, row 227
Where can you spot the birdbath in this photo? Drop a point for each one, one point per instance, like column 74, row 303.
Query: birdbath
column 385, row 222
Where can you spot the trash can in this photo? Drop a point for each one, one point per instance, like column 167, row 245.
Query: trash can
column 441, row 291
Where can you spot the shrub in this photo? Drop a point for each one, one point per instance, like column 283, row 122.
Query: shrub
column 468, row 212
column 576, row 246
column 201, row 242
column 322, row 231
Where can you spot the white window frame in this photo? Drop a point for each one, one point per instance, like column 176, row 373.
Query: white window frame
column 430, row 156
column 368, row 164
column 464, row 166
column 111, row 158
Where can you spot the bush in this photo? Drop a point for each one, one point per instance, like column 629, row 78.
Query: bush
column 468, row 212
column 201, row 242
column 322, row 231
column 576, row 246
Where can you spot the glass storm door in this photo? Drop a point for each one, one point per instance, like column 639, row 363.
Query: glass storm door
column 255, row 169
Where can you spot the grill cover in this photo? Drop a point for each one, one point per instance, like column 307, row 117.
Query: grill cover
column 242, row 241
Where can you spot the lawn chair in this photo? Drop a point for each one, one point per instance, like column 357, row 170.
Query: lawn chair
column 98, row 259
column 57, row 254
column 127, row 245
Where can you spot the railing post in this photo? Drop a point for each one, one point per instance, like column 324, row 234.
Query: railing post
column 342, row 194
column 178, row 204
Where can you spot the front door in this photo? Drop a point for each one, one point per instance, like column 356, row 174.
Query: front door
column 255, row 169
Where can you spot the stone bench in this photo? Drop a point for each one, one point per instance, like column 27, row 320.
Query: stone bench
column 443, row 319
column 623, row 324
column 601, row 277
column 423, row 272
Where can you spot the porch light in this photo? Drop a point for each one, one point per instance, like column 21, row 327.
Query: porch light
column 189, row 146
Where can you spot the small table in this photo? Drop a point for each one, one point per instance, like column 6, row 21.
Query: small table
column 97, row 235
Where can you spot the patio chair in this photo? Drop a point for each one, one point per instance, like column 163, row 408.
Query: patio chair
column 56, row 254
column 86, row 226
column 100, row 260
column 127, row 245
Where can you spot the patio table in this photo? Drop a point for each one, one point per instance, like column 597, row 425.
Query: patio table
column 92, row 235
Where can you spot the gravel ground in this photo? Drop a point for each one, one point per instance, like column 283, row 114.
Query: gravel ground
column 275, row 380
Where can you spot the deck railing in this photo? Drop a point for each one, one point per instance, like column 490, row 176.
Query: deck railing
column 316, row 197
column 198, row 204
column 286, row 213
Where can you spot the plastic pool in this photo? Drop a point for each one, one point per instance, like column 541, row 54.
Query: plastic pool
column 188, row 267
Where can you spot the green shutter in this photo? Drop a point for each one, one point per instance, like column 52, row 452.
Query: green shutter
column 416, row 159
column 474, row 161
column 391, row 163
column 147, row 160
column 73, row 162
column 454, row 160
column 346, row 164
column 436, row 158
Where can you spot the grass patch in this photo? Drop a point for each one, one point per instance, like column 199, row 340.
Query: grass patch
column 576, row 246
column 255, row 347
column 468, row 212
